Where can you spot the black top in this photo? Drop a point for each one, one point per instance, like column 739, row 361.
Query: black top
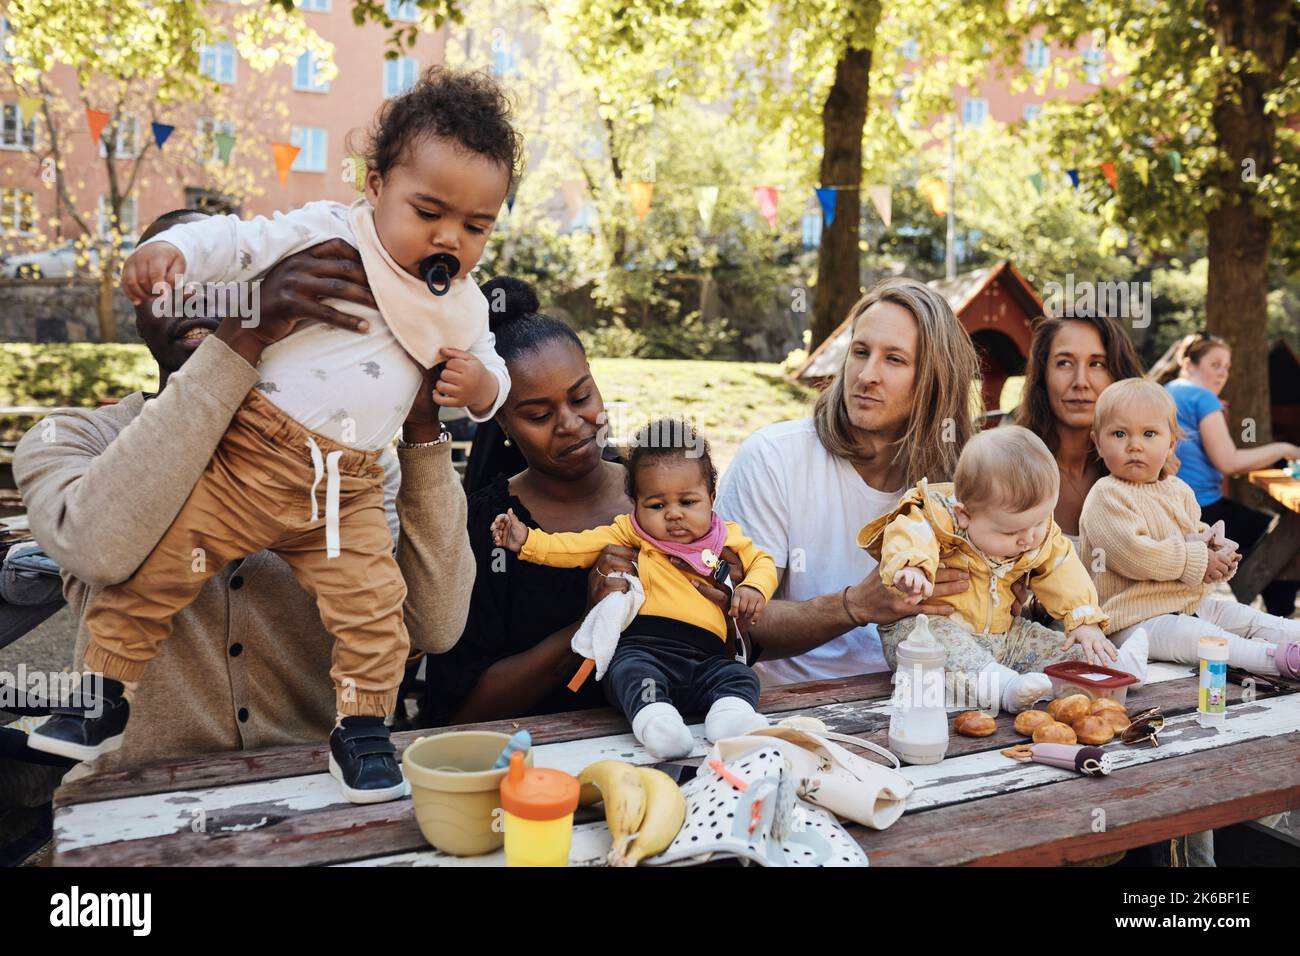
column 511, row 610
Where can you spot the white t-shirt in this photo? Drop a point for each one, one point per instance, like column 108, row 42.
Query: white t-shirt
column 805, row 507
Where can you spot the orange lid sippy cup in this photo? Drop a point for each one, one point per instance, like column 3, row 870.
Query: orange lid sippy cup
column 538, row 804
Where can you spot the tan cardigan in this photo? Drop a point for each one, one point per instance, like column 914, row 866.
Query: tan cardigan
column 248, row 663
column 1133, row 539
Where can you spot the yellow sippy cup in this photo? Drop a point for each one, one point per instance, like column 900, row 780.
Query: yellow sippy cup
column 538, row 805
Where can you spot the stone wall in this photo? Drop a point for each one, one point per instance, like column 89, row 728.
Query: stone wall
column 58, row 310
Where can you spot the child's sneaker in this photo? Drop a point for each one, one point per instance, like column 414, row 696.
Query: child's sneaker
column 364, row 761
column 89, row 730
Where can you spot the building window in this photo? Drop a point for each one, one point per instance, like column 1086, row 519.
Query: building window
column 811, row 227
column 910, row 50
column 403, row 10
column 6, row 31
column 399, row 75
column 127, row 224
column 217, row 62
column 1037, row 55
column 311, row 141
column 12, row 134
column 17, row 210
column 505, row 56
column 974, row 110
column 126, row 138
column 208, row 130
column 304, row 75
column 1032, row 110
column 1094, row 64
column 313, row 6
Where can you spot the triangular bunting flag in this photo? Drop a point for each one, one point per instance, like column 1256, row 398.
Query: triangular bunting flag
column 510, row 201
column 1108, row 170
column 1176, row 161
column 1074, row 177
column 826, row 197
column 880, row 198
column 706, row 200
column 642, row 193
column 97, row 120
column 1036, row 180
column 766, row 196
column 1142, row 167
column 160, row 133
column 935, row 191
column 358, row 171
column 225, row 143
column 27, row 107
column 285, row 154
column 573, row 192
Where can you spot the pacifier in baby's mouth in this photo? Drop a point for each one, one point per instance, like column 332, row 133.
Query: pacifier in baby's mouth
column 438, row 270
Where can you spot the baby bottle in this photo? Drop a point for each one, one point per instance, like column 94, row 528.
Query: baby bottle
column 918, row 727
column 538, row 805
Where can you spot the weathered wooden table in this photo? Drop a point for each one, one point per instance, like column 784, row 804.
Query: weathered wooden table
column 280, row 807
column 1277, row 555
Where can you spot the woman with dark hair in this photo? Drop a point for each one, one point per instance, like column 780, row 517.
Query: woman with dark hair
column 1071, row 362
column 514, row 657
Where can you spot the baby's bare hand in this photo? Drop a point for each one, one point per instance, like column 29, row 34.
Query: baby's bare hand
column 747, row 604
column 508, row 531
column 149, row 268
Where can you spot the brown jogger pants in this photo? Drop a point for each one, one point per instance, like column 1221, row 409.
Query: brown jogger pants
column 255, row 494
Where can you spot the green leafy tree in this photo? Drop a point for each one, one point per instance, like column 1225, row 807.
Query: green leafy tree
column 1198, row 126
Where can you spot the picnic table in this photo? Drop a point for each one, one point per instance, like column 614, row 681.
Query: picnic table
column 281, row 807
column 1277, row 555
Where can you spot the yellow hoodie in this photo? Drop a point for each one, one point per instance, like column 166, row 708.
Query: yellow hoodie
column 921, row 532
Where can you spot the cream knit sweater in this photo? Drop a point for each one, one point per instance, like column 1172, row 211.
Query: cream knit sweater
column 1132, row 537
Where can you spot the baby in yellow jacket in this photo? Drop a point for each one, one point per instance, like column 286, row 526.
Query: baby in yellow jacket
column 994, row 521
column 675, row 648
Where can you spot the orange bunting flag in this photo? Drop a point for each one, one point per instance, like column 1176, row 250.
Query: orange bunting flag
column 285, row 154
column 935, row 191
column 1108, row 170
column 880, row 198
column 766, row 196
column 641, row 194
column 97, row 120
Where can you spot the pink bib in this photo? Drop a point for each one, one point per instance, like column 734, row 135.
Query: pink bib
column 692, row 553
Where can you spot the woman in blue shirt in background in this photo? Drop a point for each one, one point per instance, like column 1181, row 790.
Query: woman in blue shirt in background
column 1208, row 453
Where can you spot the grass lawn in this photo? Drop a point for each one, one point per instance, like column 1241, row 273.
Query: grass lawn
column 727, row 400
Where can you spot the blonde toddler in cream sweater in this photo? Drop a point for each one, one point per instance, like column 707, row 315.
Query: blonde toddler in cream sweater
column 1152, row 559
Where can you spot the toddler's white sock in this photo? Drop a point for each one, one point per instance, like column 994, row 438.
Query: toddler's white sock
column 128, row 690
column 1016, row 692
column 661, row 730
column 731, row 717
column 1133, row 657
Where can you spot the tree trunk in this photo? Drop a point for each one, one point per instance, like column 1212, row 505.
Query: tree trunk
column 844, row 117
column 1239, row 232
column 107, row 323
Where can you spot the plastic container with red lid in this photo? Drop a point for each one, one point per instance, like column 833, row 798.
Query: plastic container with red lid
column 1080, row 677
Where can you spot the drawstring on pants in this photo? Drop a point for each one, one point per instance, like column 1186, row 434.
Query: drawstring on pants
column 329, row 468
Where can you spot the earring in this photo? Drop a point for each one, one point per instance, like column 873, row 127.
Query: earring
column 507, row 441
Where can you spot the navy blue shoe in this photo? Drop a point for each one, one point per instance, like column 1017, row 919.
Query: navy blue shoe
column 89, row 726
column 364, row 761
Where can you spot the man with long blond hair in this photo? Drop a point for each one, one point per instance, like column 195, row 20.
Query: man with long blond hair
column 899, row 409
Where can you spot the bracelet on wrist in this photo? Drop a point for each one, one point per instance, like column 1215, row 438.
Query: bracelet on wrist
column 844, row 595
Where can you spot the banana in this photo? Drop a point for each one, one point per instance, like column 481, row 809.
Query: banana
column 619, row 785
column 665, row 813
